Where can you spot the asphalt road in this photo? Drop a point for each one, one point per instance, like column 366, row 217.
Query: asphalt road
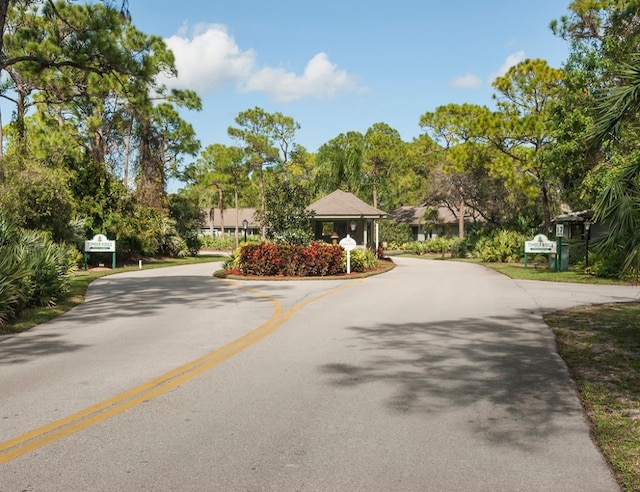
column 437, row 376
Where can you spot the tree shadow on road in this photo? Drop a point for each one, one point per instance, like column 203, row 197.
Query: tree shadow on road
column 111, row 299
column 505, row 368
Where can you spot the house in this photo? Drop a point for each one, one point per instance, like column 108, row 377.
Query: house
column 341, row 213
column 429, row 222
column 576, row 225
column 224, row 221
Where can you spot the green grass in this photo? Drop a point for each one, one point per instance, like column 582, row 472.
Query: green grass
column 79, row 283
column 601, row 346
column 517, row 271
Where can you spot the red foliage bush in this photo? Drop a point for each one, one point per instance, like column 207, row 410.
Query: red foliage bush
column 313, row 260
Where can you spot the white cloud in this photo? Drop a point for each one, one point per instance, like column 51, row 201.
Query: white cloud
column 509, row 62
column 209, row 58
column 320, row 79
column 468, row 81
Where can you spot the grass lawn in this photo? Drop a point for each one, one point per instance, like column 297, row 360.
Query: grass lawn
column 79, row 283
column 601, row 347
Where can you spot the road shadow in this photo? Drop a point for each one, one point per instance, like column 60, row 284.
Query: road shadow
column 15, row 350
column 505, row 368
column 110, row 299
column 140, row 297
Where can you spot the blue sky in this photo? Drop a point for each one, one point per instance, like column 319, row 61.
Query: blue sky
column 336, row 66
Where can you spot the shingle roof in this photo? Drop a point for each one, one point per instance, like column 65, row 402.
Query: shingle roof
column 230, row 217
column 415, row 215
column 343, row 204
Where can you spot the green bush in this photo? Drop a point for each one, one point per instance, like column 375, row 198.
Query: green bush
column 394, row 233
column 267, row 259
column 34, row 270
column 435, row 245
column 501, row 247
column 224, row 243
column 361, row 260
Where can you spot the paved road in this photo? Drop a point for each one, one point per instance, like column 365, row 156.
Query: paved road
column 437, row 376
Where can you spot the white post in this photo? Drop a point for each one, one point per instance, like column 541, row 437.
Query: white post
column 377, row 236
column 139, row 264
column 365, row 234
column 348, row 261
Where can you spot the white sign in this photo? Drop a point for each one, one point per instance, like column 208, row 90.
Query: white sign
column 348, row 243
column 99, row 243
column 540, row 244
column 559, row 230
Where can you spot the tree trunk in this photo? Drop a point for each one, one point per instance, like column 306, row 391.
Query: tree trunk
column 461, row 212
column 235, row 202
column 4, row 6
column 1, row 151
column 127, row 154
column 546, row 212
column 221, row 205
column 263, row 207
column 375, row 196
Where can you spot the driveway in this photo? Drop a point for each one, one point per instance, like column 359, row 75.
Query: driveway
column 435, row 376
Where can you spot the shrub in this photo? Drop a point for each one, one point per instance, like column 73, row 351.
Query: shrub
column 361, row 260
column 265, row 259
column 394, row 233
column 501, row 247
column 459, row 247
column 434, row 245
column 224, row 243
column 34, row 271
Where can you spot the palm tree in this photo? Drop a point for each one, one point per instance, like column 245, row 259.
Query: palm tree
column 619, row 204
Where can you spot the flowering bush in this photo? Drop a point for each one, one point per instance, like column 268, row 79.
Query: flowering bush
column 313, row 260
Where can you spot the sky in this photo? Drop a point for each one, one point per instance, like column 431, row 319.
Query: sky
column 337, row 66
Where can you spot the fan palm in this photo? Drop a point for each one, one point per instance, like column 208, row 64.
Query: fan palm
column 619, row 204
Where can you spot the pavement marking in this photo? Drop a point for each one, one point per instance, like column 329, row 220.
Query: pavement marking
column 92, row 415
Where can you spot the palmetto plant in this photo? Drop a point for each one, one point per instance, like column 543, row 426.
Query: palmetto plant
column 34, row 270
column 13, row 274
column 619, row 205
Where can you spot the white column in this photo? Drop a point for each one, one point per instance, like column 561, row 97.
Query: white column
column 365, row 233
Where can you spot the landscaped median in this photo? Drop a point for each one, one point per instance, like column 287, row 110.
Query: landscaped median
column 312, row 261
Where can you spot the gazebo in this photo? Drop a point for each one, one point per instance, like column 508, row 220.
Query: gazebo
column 341, row 213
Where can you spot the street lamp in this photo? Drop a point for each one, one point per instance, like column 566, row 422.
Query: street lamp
column 245, row 225
column 587, row 236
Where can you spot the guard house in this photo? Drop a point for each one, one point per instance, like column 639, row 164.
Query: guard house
column 341, row 213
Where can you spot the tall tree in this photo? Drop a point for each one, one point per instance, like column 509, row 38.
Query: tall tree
column 221, row 169
column 527, row 97
column 384, row 151
column 340, row 163
column 267, row 140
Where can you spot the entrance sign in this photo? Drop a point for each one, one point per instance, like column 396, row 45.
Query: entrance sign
column 559, row 230
column 540, row 244
column 100, row 244
column 348, row 243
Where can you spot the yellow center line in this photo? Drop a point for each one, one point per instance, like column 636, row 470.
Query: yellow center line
column 92, row 415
